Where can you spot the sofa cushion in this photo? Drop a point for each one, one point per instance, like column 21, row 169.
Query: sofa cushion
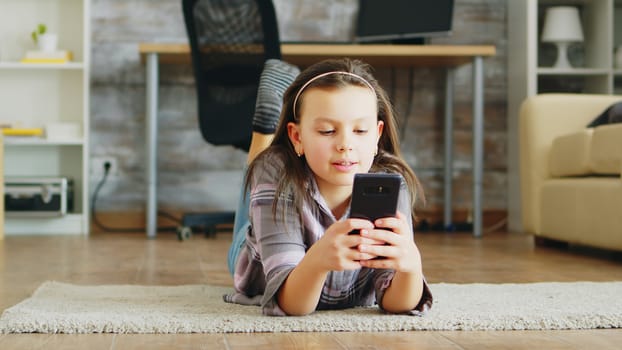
column 570, row 154
column 593, row 151
column 606, row 150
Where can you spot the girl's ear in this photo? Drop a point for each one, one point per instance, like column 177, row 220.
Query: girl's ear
column 380, row 129
column 293, row 132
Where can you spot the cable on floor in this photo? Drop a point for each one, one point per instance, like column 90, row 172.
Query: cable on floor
column 107, row 228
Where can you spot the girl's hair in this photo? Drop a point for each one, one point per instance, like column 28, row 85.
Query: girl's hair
column 293, row 183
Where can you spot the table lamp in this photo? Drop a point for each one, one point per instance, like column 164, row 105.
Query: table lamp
column 562, row 26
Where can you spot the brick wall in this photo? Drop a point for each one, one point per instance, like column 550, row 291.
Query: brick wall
column 196, row 176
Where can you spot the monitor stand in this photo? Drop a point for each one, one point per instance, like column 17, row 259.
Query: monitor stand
column 408, row 41
column 396, row 41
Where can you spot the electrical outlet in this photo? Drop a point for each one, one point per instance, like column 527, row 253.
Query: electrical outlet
column 97, row 166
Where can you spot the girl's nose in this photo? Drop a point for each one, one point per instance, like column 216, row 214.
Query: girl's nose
column 344, row 143
column 344, row 146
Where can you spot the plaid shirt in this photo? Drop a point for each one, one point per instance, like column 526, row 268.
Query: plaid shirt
column 274, row 248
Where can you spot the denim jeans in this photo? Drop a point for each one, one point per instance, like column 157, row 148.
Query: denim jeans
column 240, row 226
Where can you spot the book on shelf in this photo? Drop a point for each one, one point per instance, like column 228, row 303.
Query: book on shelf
column 22, row 132
column 57, row 56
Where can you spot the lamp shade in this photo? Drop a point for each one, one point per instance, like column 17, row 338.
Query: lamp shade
column 562, row 24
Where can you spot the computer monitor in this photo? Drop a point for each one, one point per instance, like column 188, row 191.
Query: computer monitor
column 408, row 21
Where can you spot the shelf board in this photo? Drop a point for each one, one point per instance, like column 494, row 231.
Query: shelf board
column 36, row 141
column 28, row 66
column 572, row 71
column 69, row 224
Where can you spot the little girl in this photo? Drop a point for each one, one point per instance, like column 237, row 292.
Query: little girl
column 293, row 254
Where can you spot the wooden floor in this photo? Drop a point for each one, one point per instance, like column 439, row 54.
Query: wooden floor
column 26, row 262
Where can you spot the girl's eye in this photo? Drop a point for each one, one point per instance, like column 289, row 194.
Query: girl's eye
column 360, row 131
column 326, row 132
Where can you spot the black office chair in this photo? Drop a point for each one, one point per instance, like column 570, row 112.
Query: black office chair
column 229, row 40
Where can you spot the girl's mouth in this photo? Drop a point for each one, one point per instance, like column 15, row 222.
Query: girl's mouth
column 344, row 165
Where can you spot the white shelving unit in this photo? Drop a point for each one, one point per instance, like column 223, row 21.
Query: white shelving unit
column 530, row 71
column 35, row 95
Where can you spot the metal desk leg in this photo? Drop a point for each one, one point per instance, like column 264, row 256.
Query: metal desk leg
column 449, row 145
column 478, row 143
column 151, row 122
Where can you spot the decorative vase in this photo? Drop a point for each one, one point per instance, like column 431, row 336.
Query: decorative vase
column 47, row 42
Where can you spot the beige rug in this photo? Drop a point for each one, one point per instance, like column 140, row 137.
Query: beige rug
column 64, row 308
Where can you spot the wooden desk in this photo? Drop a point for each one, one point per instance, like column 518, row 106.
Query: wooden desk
column 438, row 56
column 381, row 55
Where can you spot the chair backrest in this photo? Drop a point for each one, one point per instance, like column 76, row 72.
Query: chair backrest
column 230, row 40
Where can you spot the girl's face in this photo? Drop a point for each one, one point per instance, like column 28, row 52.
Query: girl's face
column 338, row 133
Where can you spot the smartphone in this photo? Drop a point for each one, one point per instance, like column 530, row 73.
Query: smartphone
column 374, row 196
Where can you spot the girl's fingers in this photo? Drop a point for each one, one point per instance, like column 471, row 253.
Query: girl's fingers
column 354, row 241
column 381, row 235
column 378, row 263
column 378, row 250
column 357, row 224
column 391, row 224
column 354, row 254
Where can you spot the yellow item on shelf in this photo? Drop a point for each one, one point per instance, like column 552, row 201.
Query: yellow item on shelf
column 22, row 131
column 43, row 60
column 58, row 56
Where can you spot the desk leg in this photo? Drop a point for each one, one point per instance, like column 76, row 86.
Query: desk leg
column 449, row 145
column 151, row 121
column 478, row 143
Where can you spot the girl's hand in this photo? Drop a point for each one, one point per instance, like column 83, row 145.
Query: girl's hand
column 399, row 251
column 337, row 250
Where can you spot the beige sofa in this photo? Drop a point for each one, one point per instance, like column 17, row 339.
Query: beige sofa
column 570, row 175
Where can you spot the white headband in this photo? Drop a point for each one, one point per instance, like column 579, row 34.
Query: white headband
column 323, row 75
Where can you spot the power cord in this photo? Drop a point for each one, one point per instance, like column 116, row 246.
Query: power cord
column 106, row 228
column 409, row 104
column 409, row 100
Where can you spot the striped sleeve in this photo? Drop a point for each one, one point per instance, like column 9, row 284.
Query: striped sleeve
column 279, row 239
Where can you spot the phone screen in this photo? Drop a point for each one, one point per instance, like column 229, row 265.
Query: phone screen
column 374, row 196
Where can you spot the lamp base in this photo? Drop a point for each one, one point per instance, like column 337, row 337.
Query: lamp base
column 562, row 56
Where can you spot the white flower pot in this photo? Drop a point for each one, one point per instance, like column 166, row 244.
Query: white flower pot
column 47, row 42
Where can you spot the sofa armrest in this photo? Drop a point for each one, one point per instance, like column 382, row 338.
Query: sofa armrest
column 1, row 188
column 543, row 118
column 606, row 151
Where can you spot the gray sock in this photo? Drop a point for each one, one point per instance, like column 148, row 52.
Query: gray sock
column 275, row 78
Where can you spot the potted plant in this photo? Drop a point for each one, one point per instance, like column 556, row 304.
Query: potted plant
column 44, row 40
